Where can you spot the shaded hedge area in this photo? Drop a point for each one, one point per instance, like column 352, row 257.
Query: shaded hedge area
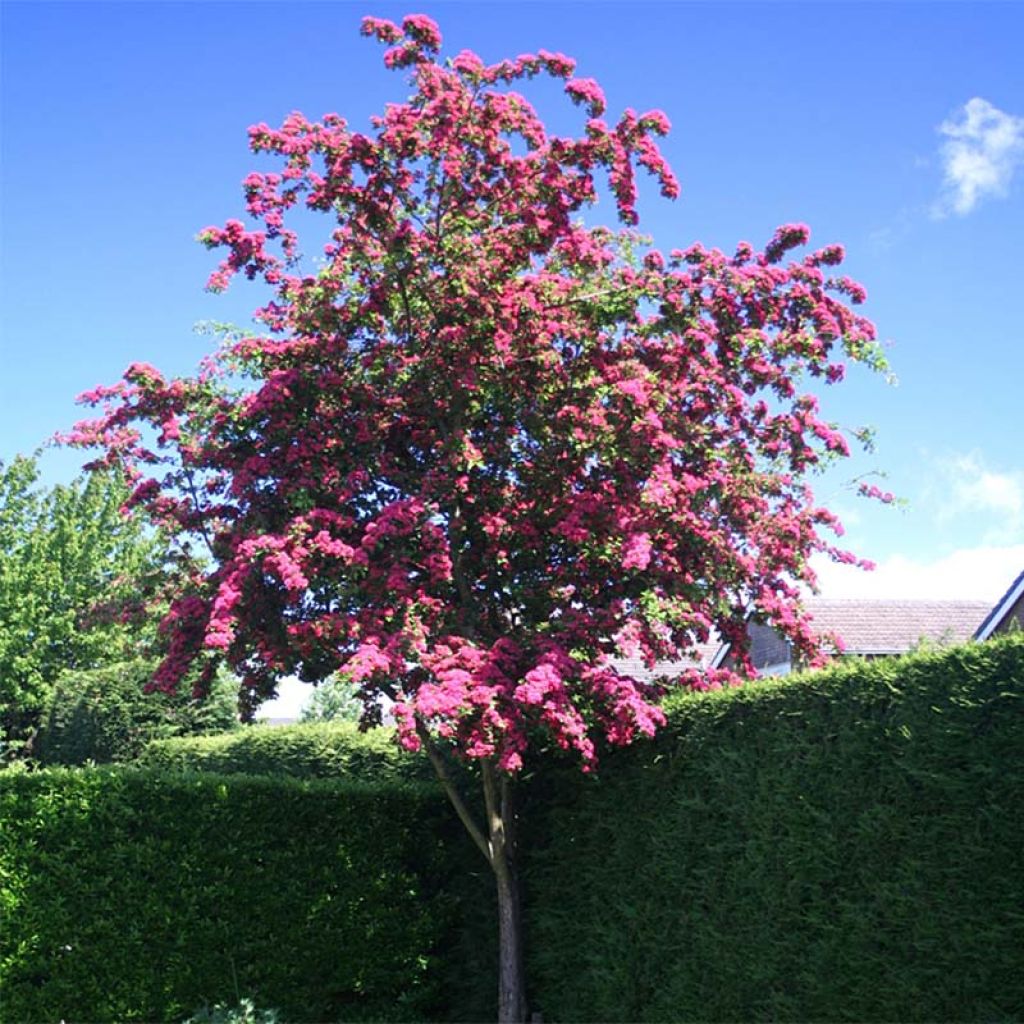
column 340, row 751
column 306, row 751
column 105, row 715
column 845, row 846
column 133, row 895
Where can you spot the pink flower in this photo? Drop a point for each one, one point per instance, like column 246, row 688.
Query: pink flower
column 587, row 92
column 636, row 551
column 423, row 29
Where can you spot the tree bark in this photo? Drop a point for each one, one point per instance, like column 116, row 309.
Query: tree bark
column 511, row 973
column 496, row 841
column 501, row 828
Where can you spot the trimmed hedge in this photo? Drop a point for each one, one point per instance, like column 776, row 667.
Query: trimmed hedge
column 306, row 751
column 132, row 895
column 843, row 846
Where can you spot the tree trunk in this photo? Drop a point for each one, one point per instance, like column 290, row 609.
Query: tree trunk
column 498, row 797
column 497, row 844
column 511, row 973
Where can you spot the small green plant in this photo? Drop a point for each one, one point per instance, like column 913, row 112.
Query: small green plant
column 244, row 1012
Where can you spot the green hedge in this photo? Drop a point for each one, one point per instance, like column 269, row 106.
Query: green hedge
column 105, row 715
column 132, row 895
column 308, row 751
column 845, row 846
column 339, row 750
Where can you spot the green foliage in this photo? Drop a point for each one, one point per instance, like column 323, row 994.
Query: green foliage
column 69, row 563
column 308, row 751
column 134, row 895
column 843, row 846
column 334, row 700
column 244, row 1013
column 104, row 714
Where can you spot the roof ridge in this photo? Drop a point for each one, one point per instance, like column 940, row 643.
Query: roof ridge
column 947, row 601
column 1000, row 608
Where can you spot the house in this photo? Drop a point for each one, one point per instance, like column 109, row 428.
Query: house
column 876, row 628
column 1007, row 614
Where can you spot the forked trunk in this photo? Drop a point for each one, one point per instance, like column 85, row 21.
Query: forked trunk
column 497, row 844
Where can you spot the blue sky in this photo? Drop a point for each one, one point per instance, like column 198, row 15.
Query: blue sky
column 895, row 129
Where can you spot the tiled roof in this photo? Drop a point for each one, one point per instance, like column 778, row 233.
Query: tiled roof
column 865, row 626
column 636, row 669
column 895, row 626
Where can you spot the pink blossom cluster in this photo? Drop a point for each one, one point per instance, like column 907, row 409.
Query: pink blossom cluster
column 867, row 490
column 587, row 92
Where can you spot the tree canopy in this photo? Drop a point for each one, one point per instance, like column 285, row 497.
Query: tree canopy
column 334, row 700
column 75, row 576
column 487, row 448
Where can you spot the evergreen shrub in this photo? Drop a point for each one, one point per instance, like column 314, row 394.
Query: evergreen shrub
column 847, row 845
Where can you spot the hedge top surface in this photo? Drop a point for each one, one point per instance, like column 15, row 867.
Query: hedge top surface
column 306, row 750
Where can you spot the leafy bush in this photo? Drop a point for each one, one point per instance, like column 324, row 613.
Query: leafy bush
column 104, row 715
column 135, row 895
column 307, row 751
column 847, row 845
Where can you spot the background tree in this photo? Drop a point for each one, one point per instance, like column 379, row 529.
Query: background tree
column 486, row 449
column 334, row 700
column 75, row 575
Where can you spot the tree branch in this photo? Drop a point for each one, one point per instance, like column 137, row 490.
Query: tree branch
column 495, row 821
column 508, row 812
column 586, row 298
column 404, row 293
column 456, row 539
column 465, row 816
column 199, row 512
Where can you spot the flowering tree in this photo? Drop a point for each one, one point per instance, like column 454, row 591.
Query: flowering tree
column 485, row 449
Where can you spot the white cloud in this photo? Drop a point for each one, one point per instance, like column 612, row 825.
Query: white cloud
column 981, row 573
column 981, row 488
column 966, row 486
column 983, row 148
